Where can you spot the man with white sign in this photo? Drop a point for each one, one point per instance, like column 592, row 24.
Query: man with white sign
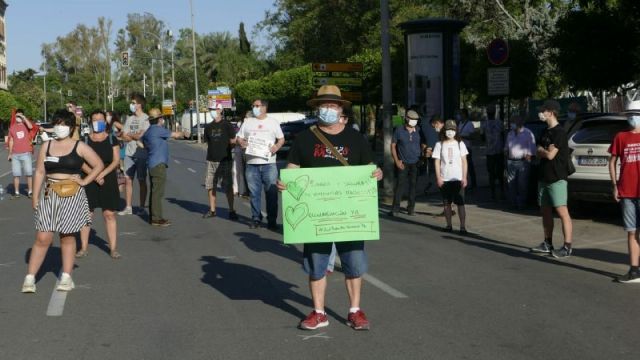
column 262, row 137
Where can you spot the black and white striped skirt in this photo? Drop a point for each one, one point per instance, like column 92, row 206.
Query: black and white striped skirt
column 63, row 215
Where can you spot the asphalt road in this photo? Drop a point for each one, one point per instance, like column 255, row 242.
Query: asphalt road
column 214, row 289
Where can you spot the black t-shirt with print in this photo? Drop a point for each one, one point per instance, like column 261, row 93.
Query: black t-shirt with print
column 308, row 151
column 556, row 169
column 217, row 136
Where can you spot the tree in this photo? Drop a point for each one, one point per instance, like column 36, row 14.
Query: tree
column 607, row 62
column 245, row 46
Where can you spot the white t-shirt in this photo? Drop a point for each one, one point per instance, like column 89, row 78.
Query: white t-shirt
column 267, row 129
column 133, row 125
column 450, row 155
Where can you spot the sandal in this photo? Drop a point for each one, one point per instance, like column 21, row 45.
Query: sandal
column 115, row 254
column 82, row 253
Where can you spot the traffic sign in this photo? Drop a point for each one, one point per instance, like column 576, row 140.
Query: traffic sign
column 337, row 67
column 498, row 51
column 352, row 96
column 498, row 81
column 337, row 81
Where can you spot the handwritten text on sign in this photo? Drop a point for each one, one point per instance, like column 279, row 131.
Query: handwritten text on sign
column 330, row 204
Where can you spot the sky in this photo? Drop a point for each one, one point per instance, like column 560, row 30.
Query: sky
column 30, row 23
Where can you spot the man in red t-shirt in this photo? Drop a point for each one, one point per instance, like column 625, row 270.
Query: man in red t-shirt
column 626, row 189
column 20, row 151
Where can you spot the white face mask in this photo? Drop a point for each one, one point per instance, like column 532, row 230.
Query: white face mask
column 132, row 107
column 413, row 123
column 18, row 120
column 256, row 111
column 450, row 134
column 542, row 117
column 109, row 117
column 61, row 131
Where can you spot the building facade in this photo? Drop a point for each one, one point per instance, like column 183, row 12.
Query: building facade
column 3, row 47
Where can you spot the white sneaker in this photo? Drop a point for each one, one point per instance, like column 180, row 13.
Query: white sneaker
column 29, row 284
column 127, row 211
column 65, row 283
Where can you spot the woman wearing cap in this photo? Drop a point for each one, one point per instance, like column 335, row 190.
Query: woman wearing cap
column 451, row 172
column 103, row 192
column 63, row 208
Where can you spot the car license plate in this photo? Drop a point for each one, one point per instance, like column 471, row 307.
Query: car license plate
column 593, row 161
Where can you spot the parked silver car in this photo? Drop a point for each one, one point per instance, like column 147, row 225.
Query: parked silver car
column 589, row 141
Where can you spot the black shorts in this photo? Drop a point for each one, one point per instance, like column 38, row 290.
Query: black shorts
column 452, row 192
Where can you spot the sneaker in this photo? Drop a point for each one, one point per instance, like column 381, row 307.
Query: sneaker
column 82, row 253
column 65, row 283
column 543, row 248
column 411, row 212
column 30, row 194
column 562, row 253
column 392, row 213
column 314, row 321
column 628, row 278
column 29, row 284
column 15, row 196
column 358, row 321
column 127, row 211
column 161, row 222
column 233, row 216
column 209, row 214
column 254, row 224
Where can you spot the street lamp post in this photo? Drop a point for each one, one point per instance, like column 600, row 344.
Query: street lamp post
column 161, row 48
column 195, row 71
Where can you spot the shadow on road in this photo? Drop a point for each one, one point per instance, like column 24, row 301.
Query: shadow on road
column 256, row 243
column 603, row 255
column 522, row 252
column 244, row 282
column 191, row 206
column 52, row 262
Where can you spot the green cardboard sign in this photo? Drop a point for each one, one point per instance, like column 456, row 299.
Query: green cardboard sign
column 330, row 204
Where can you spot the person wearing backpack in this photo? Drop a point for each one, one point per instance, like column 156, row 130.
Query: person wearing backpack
column 450, row 154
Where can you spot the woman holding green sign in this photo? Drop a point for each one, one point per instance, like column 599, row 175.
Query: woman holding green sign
column 332, row 143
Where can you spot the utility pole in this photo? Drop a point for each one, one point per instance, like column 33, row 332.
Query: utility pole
column 144, row 85
column 195, row 70
column 388, row 163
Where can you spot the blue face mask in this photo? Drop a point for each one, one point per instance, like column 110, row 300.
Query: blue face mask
column 214, row 114
column 99, row 126
column 634, row 121
column 328, row 116
column 256, row 111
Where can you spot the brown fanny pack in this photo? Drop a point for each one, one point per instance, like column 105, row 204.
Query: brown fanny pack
column 64, row 188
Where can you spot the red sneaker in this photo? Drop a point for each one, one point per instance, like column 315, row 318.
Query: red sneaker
column 358, row 320
column 313, row 321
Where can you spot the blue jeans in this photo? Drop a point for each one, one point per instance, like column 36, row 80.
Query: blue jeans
column 630, row 213
column 518, row 181
column 259, row 176
column 21, row 162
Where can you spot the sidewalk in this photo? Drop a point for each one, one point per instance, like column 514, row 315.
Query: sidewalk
column 599, row 242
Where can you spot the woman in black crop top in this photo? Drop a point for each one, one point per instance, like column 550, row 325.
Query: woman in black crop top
column 60, row 159
column 103, row 192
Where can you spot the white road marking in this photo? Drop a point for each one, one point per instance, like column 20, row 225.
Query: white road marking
column 8, row 264
column 130, row 233
column 315, row 336
column 56, row 303
column 176, row 161
column 384, row 287
column 378, row 283
column 5, row 174
column 190, row 169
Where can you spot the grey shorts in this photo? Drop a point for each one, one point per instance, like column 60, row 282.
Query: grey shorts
column 135, row 167
column 217, row 172
column 630, row 213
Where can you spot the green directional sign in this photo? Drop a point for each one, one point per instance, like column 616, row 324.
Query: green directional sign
column 337, row 81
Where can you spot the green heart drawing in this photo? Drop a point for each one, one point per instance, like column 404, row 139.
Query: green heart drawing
column 297, row 188
column 295, row 215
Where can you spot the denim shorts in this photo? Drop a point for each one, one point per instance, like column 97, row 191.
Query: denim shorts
column 630, row 213
column 20, row 162
column 135, row 167
column 352, row 258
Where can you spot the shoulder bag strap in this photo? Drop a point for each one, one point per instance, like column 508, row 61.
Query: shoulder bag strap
column 328, row 144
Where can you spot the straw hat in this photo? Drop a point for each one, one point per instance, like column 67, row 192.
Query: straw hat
column 328, row 93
